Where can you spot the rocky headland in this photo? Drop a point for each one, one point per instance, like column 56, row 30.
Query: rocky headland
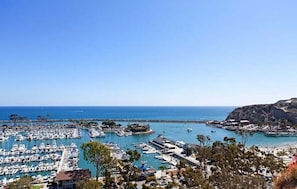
column 281, row 112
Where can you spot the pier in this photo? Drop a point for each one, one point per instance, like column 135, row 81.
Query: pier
column 63, row 160
column 171, row 148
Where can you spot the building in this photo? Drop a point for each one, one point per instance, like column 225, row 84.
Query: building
column 67, row 179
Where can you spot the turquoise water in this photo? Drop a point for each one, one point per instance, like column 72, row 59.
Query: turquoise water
column 174, row 131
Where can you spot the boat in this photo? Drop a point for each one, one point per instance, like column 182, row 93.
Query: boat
column 120, row 133
column 189, row 129
column 167, row 159
column 280, row 134
column 3, row 138
column 93, row 133
column 19, row 137
column 123, row 133
column 128, row 133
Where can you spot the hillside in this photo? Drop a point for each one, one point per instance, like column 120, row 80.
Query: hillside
column 279, row 112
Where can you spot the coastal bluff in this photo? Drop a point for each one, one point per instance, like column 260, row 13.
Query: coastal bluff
column 283, row 111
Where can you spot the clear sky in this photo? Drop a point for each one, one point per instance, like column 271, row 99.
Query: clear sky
column 147, row 52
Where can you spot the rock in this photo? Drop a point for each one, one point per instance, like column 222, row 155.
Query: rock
column 283, row 111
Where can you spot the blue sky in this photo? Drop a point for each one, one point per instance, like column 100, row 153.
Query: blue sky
column 149, row 52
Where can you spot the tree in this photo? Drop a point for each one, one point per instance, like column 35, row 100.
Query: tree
column 88, row 184
column 288, row 178
column 203, row 140
column 128, row 170
column 14, row 117
column 92, row 123
column 134, row 155
column 112, row 165
column 41, row 118
column 235, row 167
column 194, row 177
column 23, row 183
column 109, row 123
column 98, row 154
column 244, row 135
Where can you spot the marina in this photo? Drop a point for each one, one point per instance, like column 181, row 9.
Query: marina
column 53, row 154
column 148, row 94
column 42, row 161
column 96, row 133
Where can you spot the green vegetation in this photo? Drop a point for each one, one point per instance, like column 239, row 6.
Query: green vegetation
column 17, row 118
column 97, row 154
column 42, row 118
column 23, row 183
column 36, row 187
column 88, row 184
column 244, row 135
column 100, row 156
column 127, row 170
column 109, row 123
column 230, row 165
column 224, row 164
column 288, row 178
column 136, row 127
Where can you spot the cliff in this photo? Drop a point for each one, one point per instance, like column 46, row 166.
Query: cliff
column 283, row 111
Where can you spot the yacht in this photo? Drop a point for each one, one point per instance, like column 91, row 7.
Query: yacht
column 93, row 133
column 19, row 137
column 3, row 138
column 120, row 133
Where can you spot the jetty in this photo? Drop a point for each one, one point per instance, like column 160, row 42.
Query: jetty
column 109, row 119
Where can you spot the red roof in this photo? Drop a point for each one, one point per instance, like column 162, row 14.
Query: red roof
column 73, row 175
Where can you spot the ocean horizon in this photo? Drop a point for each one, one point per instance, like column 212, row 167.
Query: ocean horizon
column 119, row 112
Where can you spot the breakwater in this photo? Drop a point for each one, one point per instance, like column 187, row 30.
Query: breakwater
column 104, row 119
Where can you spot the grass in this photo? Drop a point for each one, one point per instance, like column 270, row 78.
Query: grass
column 36, row 187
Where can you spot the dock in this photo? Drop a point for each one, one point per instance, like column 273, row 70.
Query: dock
column 63, row 161
column 170, row 148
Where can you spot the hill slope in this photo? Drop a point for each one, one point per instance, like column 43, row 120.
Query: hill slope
column 281, row 111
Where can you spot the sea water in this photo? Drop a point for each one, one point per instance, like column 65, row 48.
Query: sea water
column 174, row 131
column 112, row 112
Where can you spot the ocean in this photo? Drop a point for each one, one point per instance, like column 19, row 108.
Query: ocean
column 112, row 112
column 174, row 131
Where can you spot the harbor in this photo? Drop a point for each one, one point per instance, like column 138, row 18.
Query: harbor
column 166, row 151
column 40, row 162
column 273, row 130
